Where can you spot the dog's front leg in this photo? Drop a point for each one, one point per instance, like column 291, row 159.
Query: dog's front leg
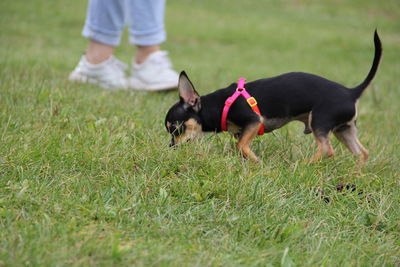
column 245, row 140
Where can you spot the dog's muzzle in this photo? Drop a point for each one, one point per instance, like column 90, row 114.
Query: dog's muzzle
column 172, row 142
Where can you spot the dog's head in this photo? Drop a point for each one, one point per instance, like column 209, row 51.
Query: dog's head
column 182, row 120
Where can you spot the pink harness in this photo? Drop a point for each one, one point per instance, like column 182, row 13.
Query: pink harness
column 230, row 100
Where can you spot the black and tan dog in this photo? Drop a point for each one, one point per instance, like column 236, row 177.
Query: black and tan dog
column 322, row 105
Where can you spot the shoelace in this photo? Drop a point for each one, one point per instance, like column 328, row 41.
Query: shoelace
column 162, row 60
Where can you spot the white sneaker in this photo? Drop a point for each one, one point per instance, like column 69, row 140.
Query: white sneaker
column 154, row 74
column 109, row 74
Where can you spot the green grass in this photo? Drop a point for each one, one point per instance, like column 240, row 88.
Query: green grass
column 87, row 178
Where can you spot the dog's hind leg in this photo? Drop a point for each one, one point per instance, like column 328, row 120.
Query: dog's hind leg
column 347, row 134
column 324, row 146
column 321, row 127
column 245, row 139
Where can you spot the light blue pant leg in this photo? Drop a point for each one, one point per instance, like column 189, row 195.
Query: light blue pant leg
column 105, row 21
column 145, row 19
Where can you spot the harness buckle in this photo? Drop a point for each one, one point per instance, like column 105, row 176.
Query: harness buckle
column 252, row 101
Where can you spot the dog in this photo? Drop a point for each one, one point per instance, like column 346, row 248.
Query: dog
column 322, row 105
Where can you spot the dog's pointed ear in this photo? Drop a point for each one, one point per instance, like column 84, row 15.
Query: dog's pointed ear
column 187, row 93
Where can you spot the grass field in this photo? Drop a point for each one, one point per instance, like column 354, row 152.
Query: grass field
column 87, row 178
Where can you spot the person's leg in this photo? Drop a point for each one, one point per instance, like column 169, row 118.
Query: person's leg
column 103, row 27
column 146, row 26
column 104, row 23
column 97, row 52
column 151, row 69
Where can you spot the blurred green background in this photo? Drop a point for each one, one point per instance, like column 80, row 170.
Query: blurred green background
column 87, row 178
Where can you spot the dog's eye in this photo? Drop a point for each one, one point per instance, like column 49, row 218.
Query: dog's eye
column 177, row 129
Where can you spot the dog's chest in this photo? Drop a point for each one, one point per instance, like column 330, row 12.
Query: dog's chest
column 233, row 128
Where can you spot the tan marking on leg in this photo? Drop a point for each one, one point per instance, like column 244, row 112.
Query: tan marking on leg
column 318, row 155
column 324, row 147
column 331, row 151
column 349, row 138
column 245, row 140
column 364, row 151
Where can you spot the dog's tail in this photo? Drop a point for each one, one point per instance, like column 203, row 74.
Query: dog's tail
column 357, row 91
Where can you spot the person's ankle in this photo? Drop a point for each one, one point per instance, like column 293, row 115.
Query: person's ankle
column 95, row 60
column 98, row 52
column 143, row 52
